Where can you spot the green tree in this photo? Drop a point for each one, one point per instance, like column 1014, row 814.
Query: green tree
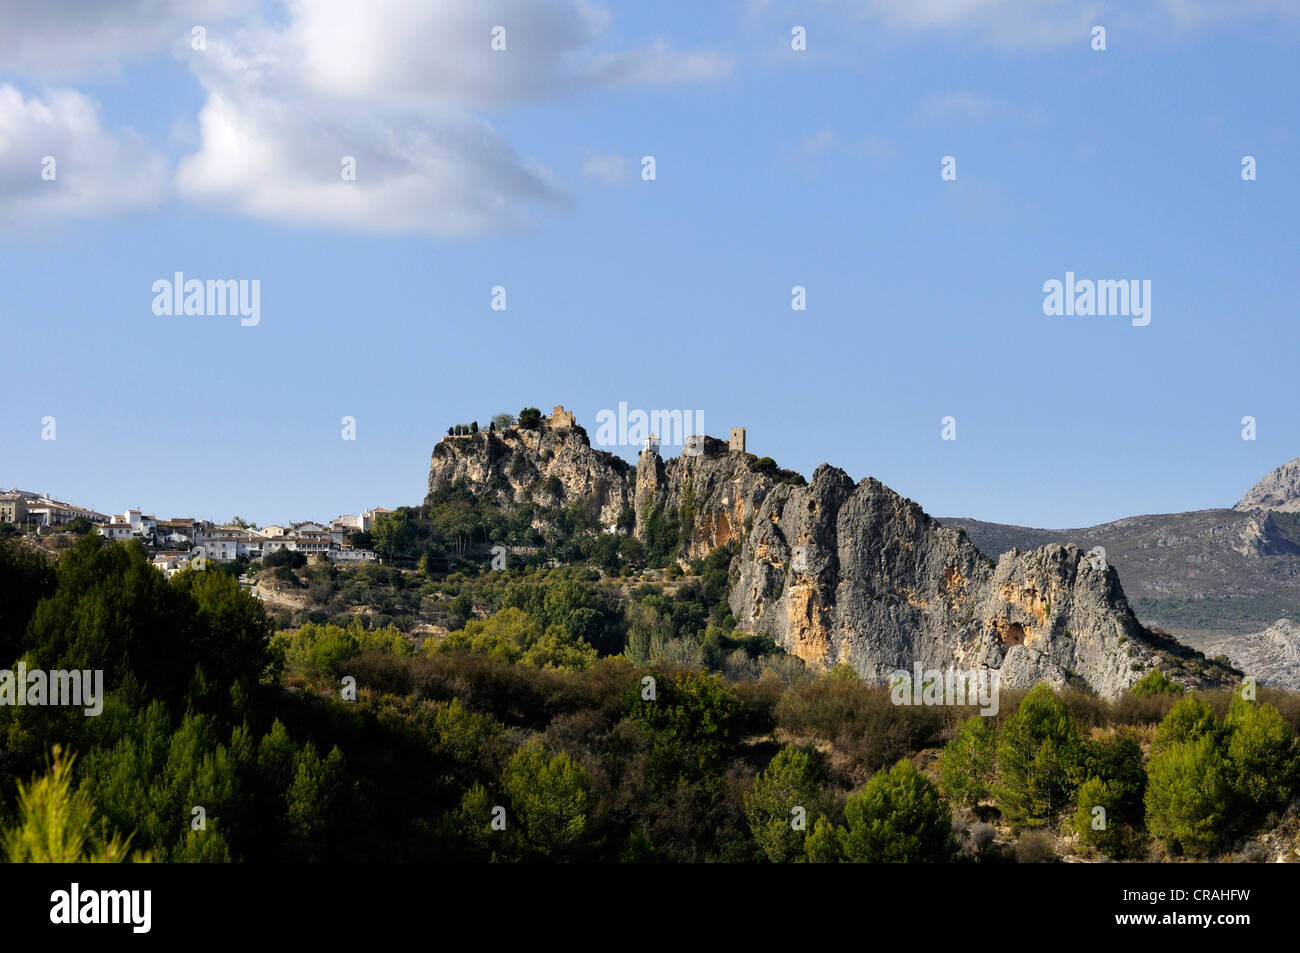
column 966, row 764
column 1098, row 820
column 57, row 824
column 113, row 611
column 1039, row 759
column 551, row 802
column 504, row 421
column 26, row 577
column 1119, row 765
column 558, row 648
column 897, row 817
column 822, row 845
column 393, row 533
column 1260, row 759
column 313, row 798
column 1187, row 720
column 1188, row 797
column 530, row 418
column 694, row 720
column 789, row 791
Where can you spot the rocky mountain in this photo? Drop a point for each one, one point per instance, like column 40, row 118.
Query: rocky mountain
column 550, row 466
column 1206, row 574
column 1278, row 490
column 837, row 572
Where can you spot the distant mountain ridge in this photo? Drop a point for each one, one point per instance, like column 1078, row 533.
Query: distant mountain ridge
column 1213, row 576
column 1278, row 490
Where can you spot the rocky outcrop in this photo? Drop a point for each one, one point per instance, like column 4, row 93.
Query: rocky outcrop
column 836, row 573
column 1278, row 490
column 714, row 493
column 549, row 466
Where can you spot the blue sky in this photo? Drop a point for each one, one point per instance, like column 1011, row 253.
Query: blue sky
column 775, row 168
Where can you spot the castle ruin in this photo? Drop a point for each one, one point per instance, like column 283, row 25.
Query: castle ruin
column 561, row 419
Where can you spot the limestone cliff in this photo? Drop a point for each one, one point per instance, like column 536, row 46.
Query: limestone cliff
column 837, row 572
column 715, row 493
column 550, row 466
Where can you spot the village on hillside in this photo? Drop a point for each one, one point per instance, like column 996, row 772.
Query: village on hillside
column 175, row 542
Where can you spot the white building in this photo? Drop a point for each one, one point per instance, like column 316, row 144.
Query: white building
column 366, row 522
column 47, row 512
column 352, row 555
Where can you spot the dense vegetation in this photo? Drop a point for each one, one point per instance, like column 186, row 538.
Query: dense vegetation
column 572, row 714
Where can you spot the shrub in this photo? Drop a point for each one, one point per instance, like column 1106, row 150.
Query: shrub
column 1156, row 682
column 1034, row 847
column 694, row 719
column 860, row 720
column 897, row 818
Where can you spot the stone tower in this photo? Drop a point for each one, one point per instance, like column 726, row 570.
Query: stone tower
column 737, row 442
column 561, row 419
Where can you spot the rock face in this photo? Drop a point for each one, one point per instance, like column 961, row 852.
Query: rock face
column 1279, row 490
column 837, row 572
column 551, row 466
column 1271, row 656
column 715, row 494
column 1206, row 573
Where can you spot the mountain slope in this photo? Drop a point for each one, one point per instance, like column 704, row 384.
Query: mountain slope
column 1278, row 490
column 1207, row 573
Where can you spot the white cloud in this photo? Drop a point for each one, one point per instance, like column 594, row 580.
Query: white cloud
column 71, row 39
column 394, row 84
column 447, row 176
column 422, row 53
column 95, row 171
